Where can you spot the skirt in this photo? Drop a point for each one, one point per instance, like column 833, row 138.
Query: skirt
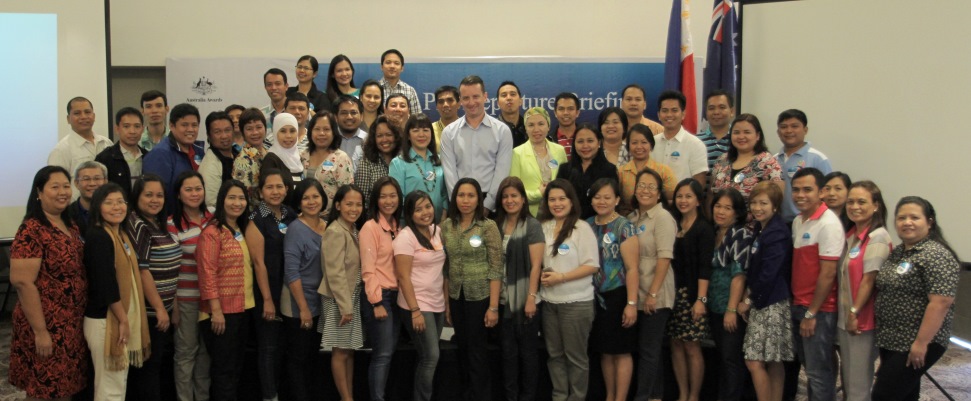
column 609, row 336
column 348, row 336
column 768, row 337
column 682, row 325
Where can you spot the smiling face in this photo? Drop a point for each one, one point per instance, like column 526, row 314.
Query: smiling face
column 388, row 200
column 343, row 73
column 686, row 201
column 420, row 138
column 671, row 114
column 81, row 117
column 860, row 206
column 723, row 212
column 744, row 137
column 566, row 112
column 605, row 201
column 221, row 134
column 114, row 209
column 273, row 191
column 509, row 100
column 186, row 130
column 447, row 105
column 129, row 130
column 305, row 72
column 384, row 138
column 647, row 191
column 311, row 203
column 424, row 213
column 350, row 207
column 473, row 98
column 254, row 132
column 55, row 195
column 300, row 110
column 512, row 201
column 792, row 133
column 286, row 136
column 586, row 144
column 805, row 194
column 640, row 147
column 392, row 66
column 719, row 112
column 89, row 180
column 612, row 128
column 151, row 200
column 537, row 128
column 761, row 208
column 235, row 203
column 558, row 203
column 912, row 223
column 397, row 110
column 467, row 199
column 348, row 117
column 322, row 134
column 276, row 87
column 192, row 193
column 371, row 97
column 834, row 194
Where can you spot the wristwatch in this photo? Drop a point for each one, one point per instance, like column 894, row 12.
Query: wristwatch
column 853, row 310
column 704, row 300
column 809, row 315
column 747, row 301
column 632, row 303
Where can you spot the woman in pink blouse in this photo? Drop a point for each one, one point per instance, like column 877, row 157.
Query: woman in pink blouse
column 748, row 161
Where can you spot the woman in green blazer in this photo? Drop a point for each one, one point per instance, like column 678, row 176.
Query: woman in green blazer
column 537, row 161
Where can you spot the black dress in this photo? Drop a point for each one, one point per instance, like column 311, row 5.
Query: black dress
column 583, row 180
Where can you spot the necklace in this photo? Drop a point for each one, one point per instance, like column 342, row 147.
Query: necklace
column 430, row 184
column 613, row 215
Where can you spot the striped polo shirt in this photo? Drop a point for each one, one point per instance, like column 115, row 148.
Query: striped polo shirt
column 187, row 288
column 158, row 253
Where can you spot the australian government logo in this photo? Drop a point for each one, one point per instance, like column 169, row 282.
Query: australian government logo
column 204, row 87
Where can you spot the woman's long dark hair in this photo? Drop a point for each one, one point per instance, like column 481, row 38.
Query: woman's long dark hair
column 571, row 218
column 333, row 90
column 377, row 84
column 517, row 184
column 220, row 214
column 372, row 206
column 453, row 212
column 411, row 202
column 575, row 162
column 370, row 146
column 934, row 233
column 136, row 192
column 759, row 145
column 699, row 192
column 178, row 208
column 34, row 207
column 98, row 198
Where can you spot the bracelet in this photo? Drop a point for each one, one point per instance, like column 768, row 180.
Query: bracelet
column 416, row 309
column 532, row 294
column 733, row 310
column 494, row 310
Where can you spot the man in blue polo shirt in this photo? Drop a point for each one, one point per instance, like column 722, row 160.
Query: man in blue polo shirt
column 796, row 154
column 177, row 152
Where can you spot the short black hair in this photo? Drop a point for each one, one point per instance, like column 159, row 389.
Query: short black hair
column 78, row 99
column 811, row 171
column 633, row 86
column 216, row 116
column 447, row 88
column 793, row 113
column 152, row 95
column 566, row 95
column 296, row 96
column 672, row 94
column 250, row 115
column 395, row 52
column 719, row 92
column 347, row 99
column 504, row 83
column 128, row 111
column 181, row 111
column 275, row 71
column 233, row 107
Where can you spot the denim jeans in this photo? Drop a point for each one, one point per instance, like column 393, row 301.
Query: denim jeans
column 144, row 383
column 732, row 370
column 650, row 332
column 472, row 340
column 520, row 357
column 303, row 346
column 226, row 354
column 269, row 352
column 817, row 353
column 566, row 328
column 383, row 336
column 426, row 347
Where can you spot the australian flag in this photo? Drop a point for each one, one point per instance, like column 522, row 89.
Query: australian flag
column 721, row 68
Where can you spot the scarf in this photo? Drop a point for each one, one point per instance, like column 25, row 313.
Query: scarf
column 518, row 267
column 138, row 348
column 291, row 156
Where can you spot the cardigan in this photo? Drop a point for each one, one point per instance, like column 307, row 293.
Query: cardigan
column 221, row 270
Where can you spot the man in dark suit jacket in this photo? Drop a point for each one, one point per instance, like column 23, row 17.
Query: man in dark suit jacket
column 124, row 158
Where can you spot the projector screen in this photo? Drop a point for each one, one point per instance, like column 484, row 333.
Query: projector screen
column 52, row 52
column 882, row 87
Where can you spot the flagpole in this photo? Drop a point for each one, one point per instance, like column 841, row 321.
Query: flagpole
column 741, row 56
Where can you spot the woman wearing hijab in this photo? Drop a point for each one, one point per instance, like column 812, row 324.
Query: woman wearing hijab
column 285, row 137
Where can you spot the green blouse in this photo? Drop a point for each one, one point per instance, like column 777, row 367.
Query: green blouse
column 474, row 258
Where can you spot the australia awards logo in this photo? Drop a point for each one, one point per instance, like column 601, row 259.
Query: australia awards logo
column 204, row 86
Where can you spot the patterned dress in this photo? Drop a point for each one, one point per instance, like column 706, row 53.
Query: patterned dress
column 334, row 172
column 62, row 285
column 763, row 167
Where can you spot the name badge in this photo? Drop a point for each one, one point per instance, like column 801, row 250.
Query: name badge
column 127, row 249
column 755, row 247
column 552, row 163
column 904, row 267
column 641, row 229
column 854, row 252
column 475, row 241
column 328, row 165
column 792, row 171
column 676, row 155
column 282, row 227
column 430, row 176
column 198, row 158
column 238, row 236
column 609, row 238
column 805, row 237
column 563, row 250
column 739, row 178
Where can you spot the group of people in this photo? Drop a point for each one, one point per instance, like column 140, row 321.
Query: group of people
column 330, row 217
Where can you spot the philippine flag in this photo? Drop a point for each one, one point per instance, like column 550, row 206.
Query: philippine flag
column 679, row 61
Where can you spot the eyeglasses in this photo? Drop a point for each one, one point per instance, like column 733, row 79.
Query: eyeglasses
column 97, row 178
column 304, row 68
column 647, row 187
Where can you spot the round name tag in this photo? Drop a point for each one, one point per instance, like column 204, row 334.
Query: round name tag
column 552, row 163
column 676, row 155
column 792, row 171
column 475, row 241
column 805, row 237
column 198, row 159
column 563, row 250
column 238, row 236
column 609, row 238
column 739, row 178
column 430, row 176
column 282, row 227
column 904, row 267
column 854, row 252
column 755, row 247
column 641, row 229
column 127, row 249
column 328, row 165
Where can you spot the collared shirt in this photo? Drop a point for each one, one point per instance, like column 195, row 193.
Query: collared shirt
column 301, row 262
column 655, row 127
column 333, row 173
column 474, row 258
column 414, row 105
column 684, row 153
column 579, row 249
column 518, row 129
column 628, row 177
column 427, row 269
column 421, row 174
column 567, row 143
column 72, row 150
column 656, row 230
column 377, row 258
column 903, row 287
column 134, row 162
column 816, row 239
column 367, row 173
column 865, row 252
column 715, row 147
column 354, row 146
column 270, row 113
column 437, row 128
column 763, row 167
column 215, row 168
column 483, row 153
column 806, row 156
column 246, row 169
column 147, row 142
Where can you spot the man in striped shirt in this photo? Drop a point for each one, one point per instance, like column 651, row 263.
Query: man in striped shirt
column 719, row 112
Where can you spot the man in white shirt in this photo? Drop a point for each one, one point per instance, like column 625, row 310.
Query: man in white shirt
column 275, row 83
column 675, row 147
column 81, row 145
